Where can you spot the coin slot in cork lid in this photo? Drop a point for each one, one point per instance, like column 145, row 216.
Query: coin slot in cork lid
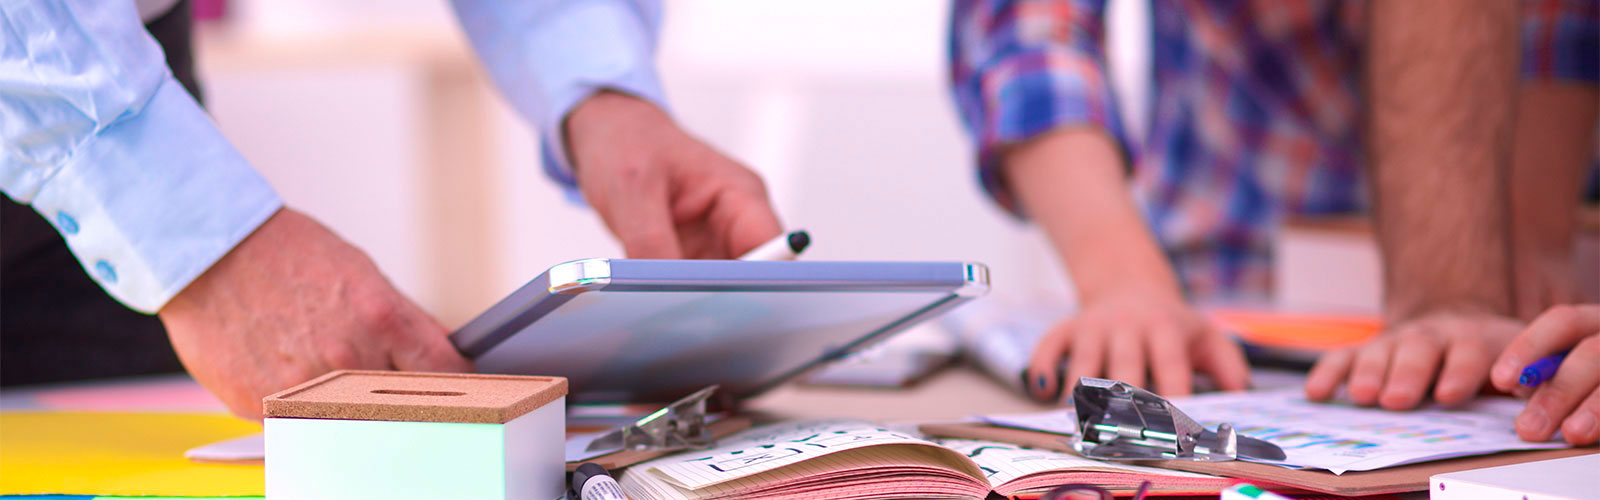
column 404, row 392
column 415, row 397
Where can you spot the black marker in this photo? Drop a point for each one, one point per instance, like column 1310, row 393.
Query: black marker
column 592, row 482
column 786, row 246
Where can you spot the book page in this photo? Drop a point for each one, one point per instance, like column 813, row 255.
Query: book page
column 888, row 471
column 775, row 446
column 1002, row 463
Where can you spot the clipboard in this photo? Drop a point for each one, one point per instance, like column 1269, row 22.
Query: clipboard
column 620, row 459
column 1401, row 479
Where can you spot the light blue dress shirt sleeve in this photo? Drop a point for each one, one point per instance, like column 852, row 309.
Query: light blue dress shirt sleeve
column 99, row 138
column 549, row 55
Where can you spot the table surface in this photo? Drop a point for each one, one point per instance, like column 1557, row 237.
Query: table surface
column 953, row 393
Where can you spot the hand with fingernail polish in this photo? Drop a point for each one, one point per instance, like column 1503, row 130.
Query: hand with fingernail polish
column 1570, row 401
column 1133, row 320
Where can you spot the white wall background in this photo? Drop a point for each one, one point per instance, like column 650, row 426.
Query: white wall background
column 841, row 105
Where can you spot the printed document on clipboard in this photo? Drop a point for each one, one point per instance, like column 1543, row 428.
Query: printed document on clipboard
column 1338, row 437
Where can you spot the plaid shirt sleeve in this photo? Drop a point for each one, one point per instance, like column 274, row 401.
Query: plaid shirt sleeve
column 1561, row 40
column 1020, row 68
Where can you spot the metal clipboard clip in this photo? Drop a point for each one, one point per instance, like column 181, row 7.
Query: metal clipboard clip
column 1117, row 421
column 677, row 426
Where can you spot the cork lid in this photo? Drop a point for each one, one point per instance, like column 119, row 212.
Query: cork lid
column 415, row 397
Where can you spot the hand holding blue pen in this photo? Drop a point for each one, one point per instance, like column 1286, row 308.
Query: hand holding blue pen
column 1563, row 389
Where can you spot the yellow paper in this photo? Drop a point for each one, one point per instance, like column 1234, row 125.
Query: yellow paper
column 128, row 454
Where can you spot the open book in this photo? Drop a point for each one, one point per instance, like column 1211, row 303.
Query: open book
column 850, row 459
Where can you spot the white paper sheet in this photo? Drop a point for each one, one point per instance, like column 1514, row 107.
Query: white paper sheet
column 1341, row 437
column 1063, row 422
column 251, row 447
column 578, row 444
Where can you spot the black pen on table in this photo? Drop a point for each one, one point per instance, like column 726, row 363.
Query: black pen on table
column 593, row 482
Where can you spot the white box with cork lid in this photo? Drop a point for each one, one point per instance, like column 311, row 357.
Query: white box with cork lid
column 396, row 435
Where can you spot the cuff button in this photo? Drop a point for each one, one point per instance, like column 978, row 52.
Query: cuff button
column 106, row 273
column 67, row 224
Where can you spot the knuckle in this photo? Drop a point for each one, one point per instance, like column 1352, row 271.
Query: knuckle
column 244, row 407
column 435, row 354
column 341, row 355
column 447, row 359
column 295, row 376
column 376, row 311
column 1471, row 343
column 750, row 181
column 1442, row 342
column 1086, row 328
column 1555, row 395
column 1329, row 361
column 1421, row 336
column 1564, row 314
column 1396, row 401
column 1588, row 348
column 622, row 179
column 648, row 242
column 1592, row 403
column 632, row 172
column 643, row 177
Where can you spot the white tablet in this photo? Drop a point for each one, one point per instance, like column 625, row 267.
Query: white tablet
column 654, row 330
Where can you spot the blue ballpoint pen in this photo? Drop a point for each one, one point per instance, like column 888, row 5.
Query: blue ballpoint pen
column 1541, row 370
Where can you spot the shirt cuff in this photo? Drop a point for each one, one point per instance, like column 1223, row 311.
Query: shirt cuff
column 590, row 47
column 1031, row 92
column 153, row 200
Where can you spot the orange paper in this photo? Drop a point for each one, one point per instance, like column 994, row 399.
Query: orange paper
column 1316, row 332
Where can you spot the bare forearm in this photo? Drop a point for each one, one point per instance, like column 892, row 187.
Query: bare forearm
column 1133, row 323
column 1071, row 183
column 1554, row 144
column 1441, row 96
column 1441, row 90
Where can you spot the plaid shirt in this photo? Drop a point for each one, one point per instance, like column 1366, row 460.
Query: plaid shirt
column 1254, row 110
